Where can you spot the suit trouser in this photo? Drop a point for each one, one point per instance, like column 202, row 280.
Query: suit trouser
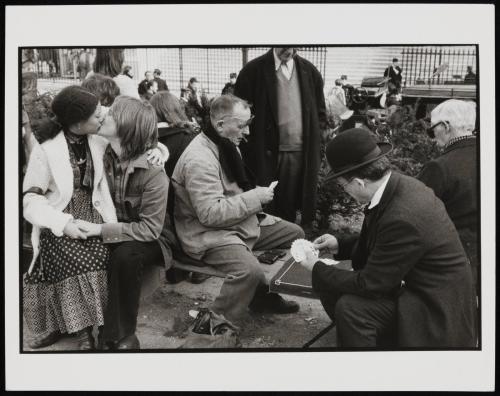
column 287, row 193
column 125, row 271
column 361, row 322
column 237, row 260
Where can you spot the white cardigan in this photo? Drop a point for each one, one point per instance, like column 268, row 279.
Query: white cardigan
column 49, row 169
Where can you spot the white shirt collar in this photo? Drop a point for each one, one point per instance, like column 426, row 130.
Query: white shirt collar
column 378, row 194
column 277, row 62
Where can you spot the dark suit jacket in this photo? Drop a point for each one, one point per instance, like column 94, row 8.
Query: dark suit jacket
column 409, row 237
column 257, row 83
column 228, row 89
column 395, row 77
column 453, row 177
column 162, row 84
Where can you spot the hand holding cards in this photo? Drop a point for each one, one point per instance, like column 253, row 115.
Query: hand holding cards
column 303, row 250
column 300, row 248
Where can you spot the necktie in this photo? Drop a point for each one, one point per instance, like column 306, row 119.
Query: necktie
column 286, row 70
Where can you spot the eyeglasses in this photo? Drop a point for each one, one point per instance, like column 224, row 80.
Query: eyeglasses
column 430, row 130
column 245, row 124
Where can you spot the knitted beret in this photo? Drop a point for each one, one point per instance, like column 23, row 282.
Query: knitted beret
column 73, row 104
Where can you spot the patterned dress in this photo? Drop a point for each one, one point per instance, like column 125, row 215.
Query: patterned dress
column 67, row 289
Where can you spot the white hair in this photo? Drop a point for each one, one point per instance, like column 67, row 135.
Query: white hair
column 459, row 113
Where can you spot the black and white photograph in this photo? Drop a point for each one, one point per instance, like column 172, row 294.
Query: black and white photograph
column 204, row 199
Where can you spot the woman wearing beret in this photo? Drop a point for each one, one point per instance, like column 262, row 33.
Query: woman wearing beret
column 65, row 288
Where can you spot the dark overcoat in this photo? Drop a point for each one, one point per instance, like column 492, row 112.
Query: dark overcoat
column 409, row 237
column 453, row 177
column 257, row 84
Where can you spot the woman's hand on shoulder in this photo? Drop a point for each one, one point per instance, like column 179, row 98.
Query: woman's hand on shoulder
column 156, row 157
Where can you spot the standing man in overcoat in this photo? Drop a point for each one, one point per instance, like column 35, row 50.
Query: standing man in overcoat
column 286, row 92
column 411, row 284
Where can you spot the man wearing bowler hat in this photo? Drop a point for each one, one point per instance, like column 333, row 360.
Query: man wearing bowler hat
column 410, row 285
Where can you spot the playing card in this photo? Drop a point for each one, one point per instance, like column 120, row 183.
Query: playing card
column 300, row 247
column 273, row 184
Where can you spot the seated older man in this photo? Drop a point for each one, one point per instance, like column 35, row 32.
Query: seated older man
column 218, row 212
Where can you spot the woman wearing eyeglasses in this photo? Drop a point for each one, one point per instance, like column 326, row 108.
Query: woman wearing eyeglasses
column 453, row 176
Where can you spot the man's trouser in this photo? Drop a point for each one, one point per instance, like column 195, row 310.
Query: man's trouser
column 237, row 260
column 287, row 193
column 125, row 275
column 361, row 322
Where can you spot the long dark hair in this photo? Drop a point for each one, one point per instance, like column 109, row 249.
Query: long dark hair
column 71, row 105
column 108, row 61
column 168, row 109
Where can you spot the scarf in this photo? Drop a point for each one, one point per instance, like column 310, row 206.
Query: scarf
column 230, row 160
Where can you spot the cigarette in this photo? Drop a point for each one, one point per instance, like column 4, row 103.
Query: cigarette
column 244, row 139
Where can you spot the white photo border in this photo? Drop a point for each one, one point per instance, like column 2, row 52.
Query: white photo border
column 251, row 24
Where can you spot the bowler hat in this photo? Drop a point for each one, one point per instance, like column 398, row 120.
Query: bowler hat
column 353, row 149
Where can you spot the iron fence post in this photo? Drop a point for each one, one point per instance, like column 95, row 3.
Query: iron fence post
column 181, row 74
column 244, row 56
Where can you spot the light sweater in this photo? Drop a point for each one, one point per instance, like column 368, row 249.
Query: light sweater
column 127, row 86
column 289, row 112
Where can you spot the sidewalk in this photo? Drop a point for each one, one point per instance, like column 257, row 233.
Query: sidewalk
column 164, row 320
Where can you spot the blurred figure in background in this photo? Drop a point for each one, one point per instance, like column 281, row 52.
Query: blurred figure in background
column 470, row 77
column 104, row 87
column 174, row 129
column 142, row 89
column 229, row 87
column 127, row 71
column 394, row 72
column 151, row 89
column 336, row 109
column 109, row 61
column 162, row 84
column 338, row 91
column 197, row 106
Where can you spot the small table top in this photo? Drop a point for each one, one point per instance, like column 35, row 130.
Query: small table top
column 294, row 279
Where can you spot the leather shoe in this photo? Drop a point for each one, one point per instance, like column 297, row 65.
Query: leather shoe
column 175, row 275
column 273, row 303
column 129, row 342
column 85, row 339
column 45, row 340
column 197, row 278
column 103, row 345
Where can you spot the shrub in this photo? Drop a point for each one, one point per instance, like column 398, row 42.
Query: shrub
column 341, row 215
column 38, row 110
